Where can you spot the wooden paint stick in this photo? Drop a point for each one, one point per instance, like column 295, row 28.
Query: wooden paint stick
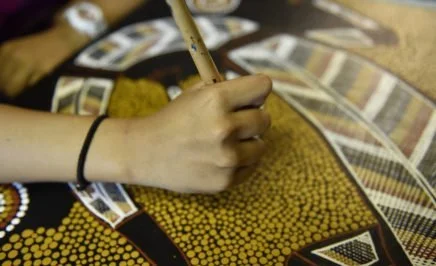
column 193, row 40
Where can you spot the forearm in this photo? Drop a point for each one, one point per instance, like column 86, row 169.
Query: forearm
column 43, row 147
column 116, row 10
column 113, row 11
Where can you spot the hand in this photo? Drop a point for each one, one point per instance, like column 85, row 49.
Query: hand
column 203, row 142
column 26, row 60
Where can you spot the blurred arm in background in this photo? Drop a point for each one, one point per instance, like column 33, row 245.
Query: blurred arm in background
column 25, row 60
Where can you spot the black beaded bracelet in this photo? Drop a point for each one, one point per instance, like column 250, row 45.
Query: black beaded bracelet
column 82, row 183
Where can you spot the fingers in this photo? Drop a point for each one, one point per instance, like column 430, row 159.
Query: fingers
column 249, row 91
column 250, row 151
column 241, row 154
column 250, row 123
column 242, row 174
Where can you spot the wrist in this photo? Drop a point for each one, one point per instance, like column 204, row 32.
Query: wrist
column 108, row 154
column 72, row 38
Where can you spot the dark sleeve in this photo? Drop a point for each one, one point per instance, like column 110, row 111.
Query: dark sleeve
column 3, row 99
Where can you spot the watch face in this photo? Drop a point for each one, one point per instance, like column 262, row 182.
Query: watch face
column 86, row 13
column 213, row 6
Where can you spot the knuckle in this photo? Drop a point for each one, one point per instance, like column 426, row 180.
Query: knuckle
column 224, row 129
column 228, row 158
column 217, row 97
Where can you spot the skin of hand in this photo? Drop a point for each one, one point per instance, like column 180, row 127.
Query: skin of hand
column 26, row 60
column 203, row 142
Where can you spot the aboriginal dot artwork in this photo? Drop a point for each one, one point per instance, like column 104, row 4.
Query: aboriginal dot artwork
column 80, row 240
column 348, row 177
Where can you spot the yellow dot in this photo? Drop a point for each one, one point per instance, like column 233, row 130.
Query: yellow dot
column 7, row 263
column 50, row 232
column 253, row 260
column 263, row 260
column 14, row 238
column 55, row 255
column 27, row 263
column 57, row 236
column 130, row 262
column 194, row 261
column 12, row 254
column 47, row 252
column 73, row 257
column 6, row 247
column 317, row 237
column 40, row 230
column 275, row 252
column 26, row 233
column 225, row 260
column 135, row 254
column 286, row 251
column 190, row 254
column 18, row 245
column 46, row 261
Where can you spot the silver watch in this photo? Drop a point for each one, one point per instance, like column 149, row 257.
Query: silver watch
column 86, row 18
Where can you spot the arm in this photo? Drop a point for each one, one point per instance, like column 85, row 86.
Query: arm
column 43, row 147
column 178, row 148
column 113, row 10
column 26, row 60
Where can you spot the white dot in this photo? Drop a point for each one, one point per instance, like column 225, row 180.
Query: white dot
column 20, row 214
column 9, row 228
column 25, row 201
column 2, row 234
column 15, row 221
column 23, row 208
column 2, row 209
column 24, row 196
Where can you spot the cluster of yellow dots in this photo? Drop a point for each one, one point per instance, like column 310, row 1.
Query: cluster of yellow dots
column 79, row 240
column 300, row 195
column 124, row 100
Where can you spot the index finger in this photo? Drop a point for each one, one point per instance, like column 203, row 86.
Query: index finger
column 246, row 91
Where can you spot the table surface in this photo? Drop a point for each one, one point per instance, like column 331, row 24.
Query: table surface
column 349, row 178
